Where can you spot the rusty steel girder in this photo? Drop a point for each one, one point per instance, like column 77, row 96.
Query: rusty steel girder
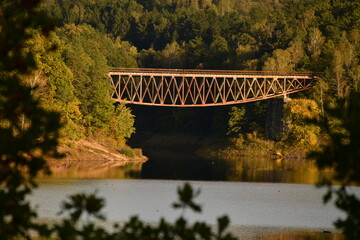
column 197, row 88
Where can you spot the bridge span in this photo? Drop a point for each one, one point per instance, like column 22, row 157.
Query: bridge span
column 200, row 88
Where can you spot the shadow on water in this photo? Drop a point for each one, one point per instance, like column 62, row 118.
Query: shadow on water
column 186, row 166
column 192, row 167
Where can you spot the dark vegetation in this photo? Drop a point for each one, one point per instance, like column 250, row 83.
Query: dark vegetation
column 53, row 87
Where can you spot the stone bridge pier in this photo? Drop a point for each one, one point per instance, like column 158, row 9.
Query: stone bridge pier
column 275, row 126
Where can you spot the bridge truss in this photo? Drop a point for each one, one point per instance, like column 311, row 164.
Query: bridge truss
column 196, row 88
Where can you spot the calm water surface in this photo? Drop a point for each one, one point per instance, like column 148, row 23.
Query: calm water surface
column 254, row 204
column 255, row 209
column 260, row 196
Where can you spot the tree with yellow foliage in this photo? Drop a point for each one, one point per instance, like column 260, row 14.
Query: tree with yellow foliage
column 297, row 113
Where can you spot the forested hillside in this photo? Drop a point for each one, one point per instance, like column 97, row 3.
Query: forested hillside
column 308, row 35
column 71, row 79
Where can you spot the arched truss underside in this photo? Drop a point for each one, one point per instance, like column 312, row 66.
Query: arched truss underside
column 197, row 88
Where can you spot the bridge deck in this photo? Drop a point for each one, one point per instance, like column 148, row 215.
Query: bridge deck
column 194, row 88
column 201, row 72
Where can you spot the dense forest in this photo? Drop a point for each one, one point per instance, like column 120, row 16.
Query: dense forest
column 292, row 35
column 57, row 80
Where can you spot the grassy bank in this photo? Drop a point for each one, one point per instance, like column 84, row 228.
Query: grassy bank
column 251, row 145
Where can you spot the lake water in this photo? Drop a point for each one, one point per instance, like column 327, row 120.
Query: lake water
column 253, row 204
column 260, row 196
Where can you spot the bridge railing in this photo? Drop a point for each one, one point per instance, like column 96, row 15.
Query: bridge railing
column 211, row 72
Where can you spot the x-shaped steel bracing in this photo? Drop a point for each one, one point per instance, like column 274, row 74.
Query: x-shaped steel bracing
column 196, row 88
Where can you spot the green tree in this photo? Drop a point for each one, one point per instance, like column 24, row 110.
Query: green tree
column 281, row 61
column 218, row 54
column 246, row 52
column 148, row 58
column 172, row 56
column 88, row 55
column 54, row 83
column 195, row 53
column 236, row 120
column 316, row 41
column 285, row 60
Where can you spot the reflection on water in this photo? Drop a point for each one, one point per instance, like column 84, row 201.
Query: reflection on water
column 162, row 166
column 95, row 169
column 276, row 171
column 191, row 167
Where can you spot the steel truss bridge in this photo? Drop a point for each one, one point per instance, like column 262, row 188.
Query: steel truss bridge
column 199, row 88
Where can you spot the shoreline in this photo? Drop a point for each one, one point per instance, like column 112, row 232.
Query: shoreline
column 267, row 232
column 91, row 159
column 220, row 148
